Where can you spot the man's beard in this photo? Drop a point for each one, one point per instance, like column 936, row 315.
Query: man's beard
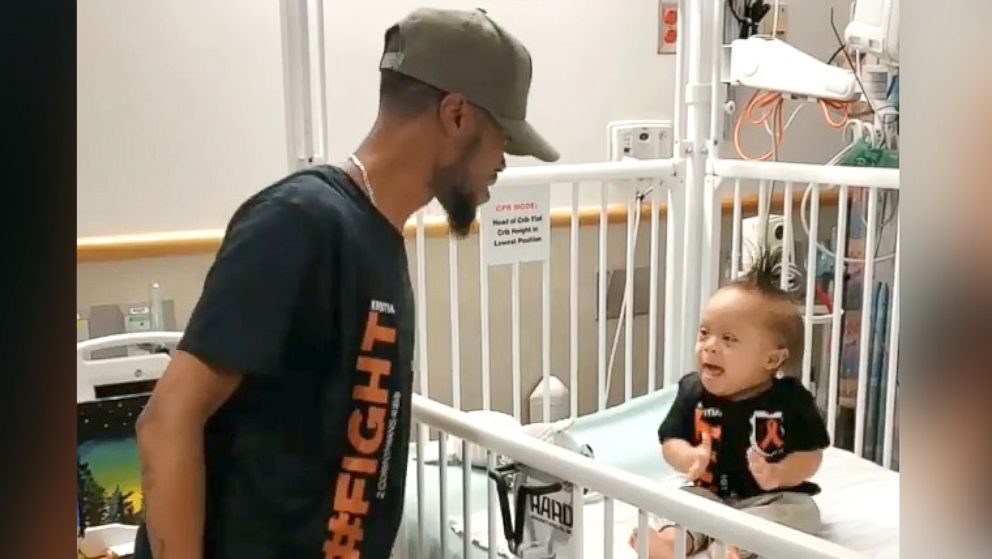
column 452, row 189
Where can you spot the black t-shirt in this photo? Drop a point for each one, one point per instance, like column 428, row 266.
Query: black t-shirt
column 780, row 420
column 310, row 299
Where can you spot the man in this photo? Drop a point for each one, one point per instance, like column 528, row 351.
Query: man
column 281, row 427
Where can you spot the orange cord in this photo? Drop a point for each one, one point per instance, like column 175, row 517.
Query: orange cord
column 773, row 105
column 845, row 108
column 762, row 99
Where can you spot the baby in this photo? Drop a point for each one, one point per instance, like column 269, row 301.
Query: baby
column 742, row 434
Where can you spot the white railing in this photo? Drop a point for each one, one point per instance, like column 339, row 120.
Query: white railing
column 630, row 169
column 654, row 181
column 723, row 523
column 806, row 173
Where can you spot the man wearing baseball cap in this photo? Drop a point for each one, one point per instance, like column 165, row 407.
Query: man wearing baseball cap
column 280, row 429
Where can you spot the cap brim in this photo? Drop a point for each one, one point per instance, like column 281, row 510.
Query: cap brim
column 523, row 140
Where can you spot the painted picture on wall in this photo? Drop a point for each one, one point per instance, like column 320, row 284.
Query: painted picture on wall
column 108, row 471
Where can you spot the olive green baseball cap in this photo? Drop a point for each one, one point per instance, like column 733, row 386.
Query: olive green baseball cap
column 467, row 52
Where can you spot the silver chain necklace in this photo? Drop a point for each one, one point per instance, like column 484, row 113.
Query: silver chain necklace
column 365, row 177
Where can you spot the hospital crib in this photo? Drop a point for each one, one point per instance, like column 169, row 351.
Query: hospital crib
column 451, row 509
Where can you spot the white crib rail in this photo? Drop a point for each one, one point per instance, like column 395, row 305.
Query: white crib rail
column 721, row 522
column 819, row 177
column 607, row 171
column 806, row 173
column 654, row 180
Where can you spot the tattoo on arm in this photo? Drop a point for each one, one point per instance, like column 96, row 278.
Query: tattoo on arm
column 147, row 477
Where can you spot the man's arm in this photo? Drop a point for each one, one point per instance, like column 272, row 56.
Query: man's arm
column 170, row 444
column 239, row 327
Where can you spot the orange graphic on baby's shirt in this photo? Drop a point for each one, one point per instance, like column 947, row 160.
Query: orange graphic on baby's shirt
column 773, row 436
column 714, row 432
column 768, row 432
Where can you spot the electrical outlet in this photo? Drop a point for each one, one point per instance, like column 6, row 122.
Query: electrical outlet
column 138, row 319
column 768, row 22
column 668, row 19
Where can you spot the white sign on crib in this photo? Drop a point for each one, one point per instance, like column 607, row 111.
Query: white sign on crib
column 517, row 225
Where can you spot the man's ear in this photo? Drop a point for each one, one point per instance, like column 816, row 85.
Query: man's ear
column 776, row 358
column 452, row 111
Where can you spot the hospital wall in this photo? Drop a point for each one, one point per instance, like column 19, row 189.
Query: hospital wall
column 181, row 105
column 179, row 123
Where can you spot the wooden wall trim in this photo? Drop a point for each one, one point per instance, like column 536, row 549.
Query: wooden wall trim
column 184, row 243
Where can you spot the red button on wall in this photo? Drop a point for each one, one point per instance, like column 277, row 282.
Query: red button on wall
column 670, row 36
column 671, row 16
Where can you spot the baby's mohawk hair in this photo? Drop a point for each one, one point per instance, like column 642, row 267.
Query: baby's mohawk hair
column 764, row 274
column 763, row 278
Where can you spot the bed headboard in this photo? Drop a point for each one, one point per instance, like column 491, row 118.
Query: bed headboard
column 124, row 375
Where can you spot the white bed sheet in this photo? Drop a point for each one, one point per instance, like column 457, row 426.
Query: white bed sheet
column 859, row 507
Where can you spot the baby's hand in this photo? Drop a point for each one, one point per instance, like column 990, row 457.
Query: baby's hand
column 766, row 474
column 700, row 458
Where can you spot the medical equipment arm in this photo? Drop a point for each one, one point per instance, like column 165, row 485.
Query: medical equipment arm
column 170, row 444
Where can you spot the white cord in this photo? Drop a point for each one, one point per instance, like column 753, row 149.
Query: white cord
column 623, row 302
column 771, row 193
column 792, row 117
column 788, row 122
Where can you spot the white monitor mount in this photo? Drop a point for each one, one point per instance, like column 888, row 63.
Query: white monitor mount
column 771, row 64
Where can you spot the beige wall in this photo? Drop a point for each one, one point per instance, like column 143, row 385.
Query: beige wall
column 180, row 111
column 181, row 105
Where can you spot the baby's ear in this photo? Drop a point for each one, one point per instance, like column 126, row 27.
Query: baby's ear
column 776, row 358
